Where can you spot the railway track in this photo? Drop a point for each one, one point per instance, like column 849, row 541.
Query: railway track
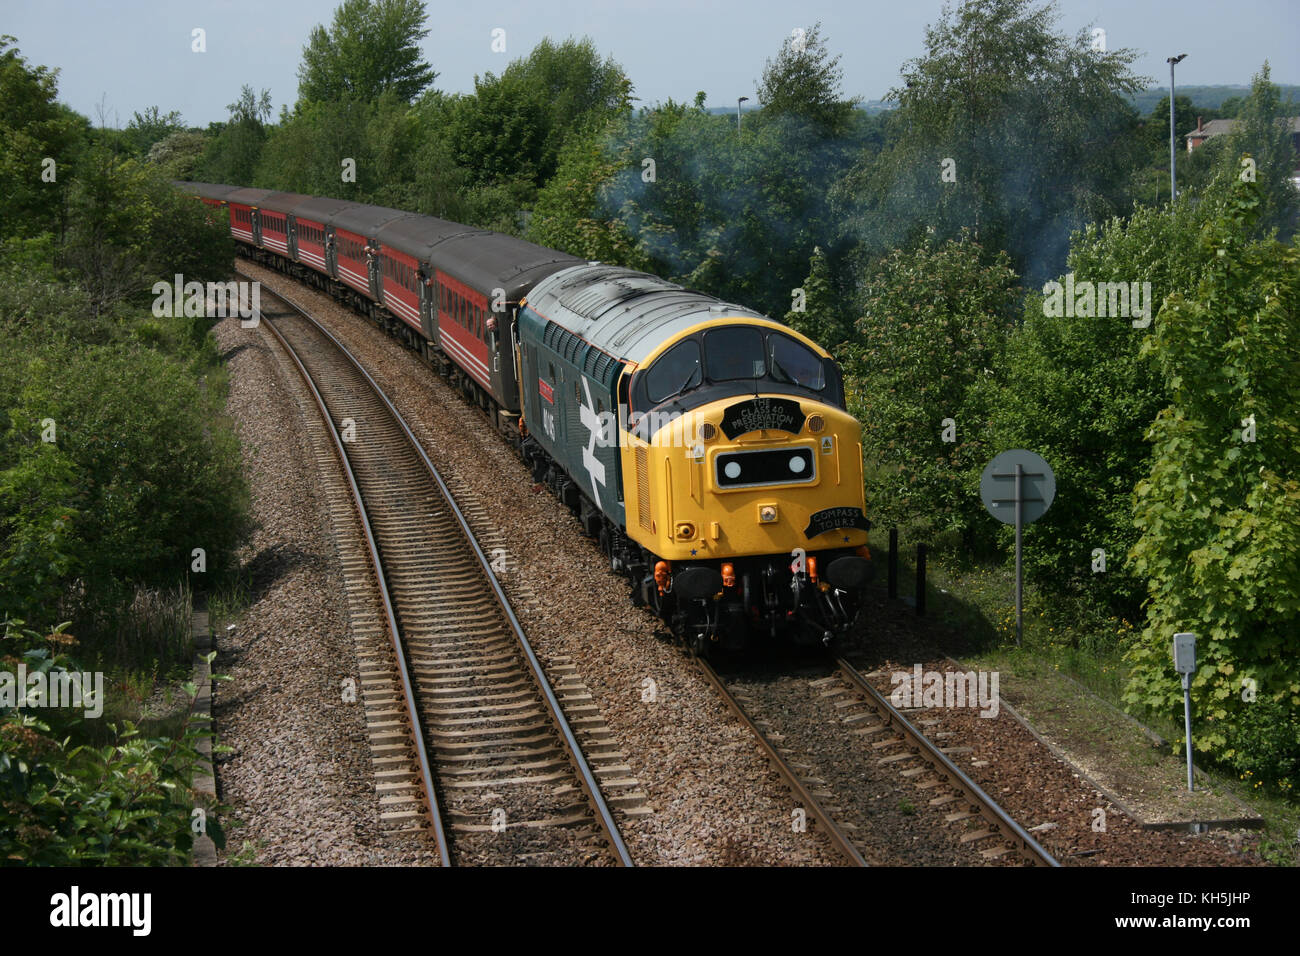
column 468, row 737
column 888, row 738
column 964, row 797
column 810, row 802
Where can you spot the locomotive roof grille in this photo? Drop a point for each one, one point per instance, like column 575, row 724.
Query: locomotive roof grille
column 562, row 341
column 597, row 363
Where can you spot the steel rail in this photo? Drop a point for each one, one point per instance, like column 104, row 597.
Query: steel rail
column 372, row 548
column 1012, row 831
column 837, row 836
column 574, row 751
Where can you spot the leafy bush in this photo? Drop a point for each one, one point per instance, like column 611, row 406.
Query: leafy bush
column 34, row 127
column 129, row 226
column 141, row 473
column 1261, row 744
column 1075, row 390
column 932, row 322
column 65, row 803
column 1219, row 511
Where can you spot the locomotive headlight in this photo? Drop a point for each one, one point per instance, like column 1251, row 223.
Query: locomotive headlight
column 684, row 530
column 816, row 423
column 767, row 514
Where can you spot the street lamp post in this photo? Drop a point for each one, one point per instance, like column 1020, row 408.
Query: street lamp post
column 1173, row 182
column 738, row 102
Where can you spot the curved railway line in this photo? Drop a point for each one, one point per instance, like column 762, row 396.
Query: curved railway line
column 468, row 737
column 487, row 727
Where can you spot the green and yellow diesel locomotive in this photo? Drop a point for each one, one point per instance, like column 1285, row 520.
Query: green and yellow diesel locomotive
column 707, row 448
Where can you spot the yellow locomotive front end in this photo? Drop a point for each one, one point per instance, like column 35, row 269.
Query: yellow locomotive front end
column 743, row 485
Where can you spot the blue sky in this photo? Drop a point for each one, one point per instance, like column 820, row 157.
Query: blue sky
column 136, row 53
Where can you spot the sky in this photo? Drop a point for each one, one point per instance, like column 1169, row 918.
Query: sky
column 121, row 56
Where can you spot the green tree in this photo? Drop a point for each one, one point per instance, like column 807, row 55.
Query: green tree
column 1219, row 510
column 177, row 154
column 932, row 323
column 1264, row 135
column 147, row 128
column 823, row 317
column 567, row 215
column 34, row 130
column 232, row 154
column 1074, row 389
column 1005, row 127
column 736, row 213
column 304, row 152
column 128, row 226
column 139, row 476
column 514, row 125
column 804, row 81
column 372, row 47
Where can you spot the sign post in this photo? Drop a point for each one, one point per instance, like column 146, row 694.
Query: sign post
column 1029, row 481
column 1185, row 664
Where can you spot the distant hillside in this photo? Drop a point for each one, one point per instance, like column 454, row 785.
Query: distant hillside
column 1210, row 97
column 870, row 106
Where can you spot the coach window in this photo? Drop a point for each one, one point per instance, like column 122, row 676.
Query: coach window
column 676, row 371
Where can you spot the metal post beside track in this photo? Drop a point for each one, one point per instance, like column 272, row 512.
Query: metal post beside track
column 893, row 563
column 920, row 578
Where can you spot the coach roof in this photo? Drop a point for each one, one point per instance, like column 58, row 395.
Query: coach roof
column 206, row 190
column 365, row 220
column 319, row 209
column 625, row 313
column 248, row 197
column 418, row 236
column 492, row 260
column 282, row 202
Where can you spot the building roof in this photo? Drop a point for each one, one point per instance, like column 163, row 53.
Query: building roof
column 1218, row 127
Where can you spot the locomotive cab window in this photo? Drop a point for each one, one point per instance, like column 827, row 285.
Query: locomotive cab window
column 676, row 371
column 794, row 363
column 734, row 352
column 735, row 360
